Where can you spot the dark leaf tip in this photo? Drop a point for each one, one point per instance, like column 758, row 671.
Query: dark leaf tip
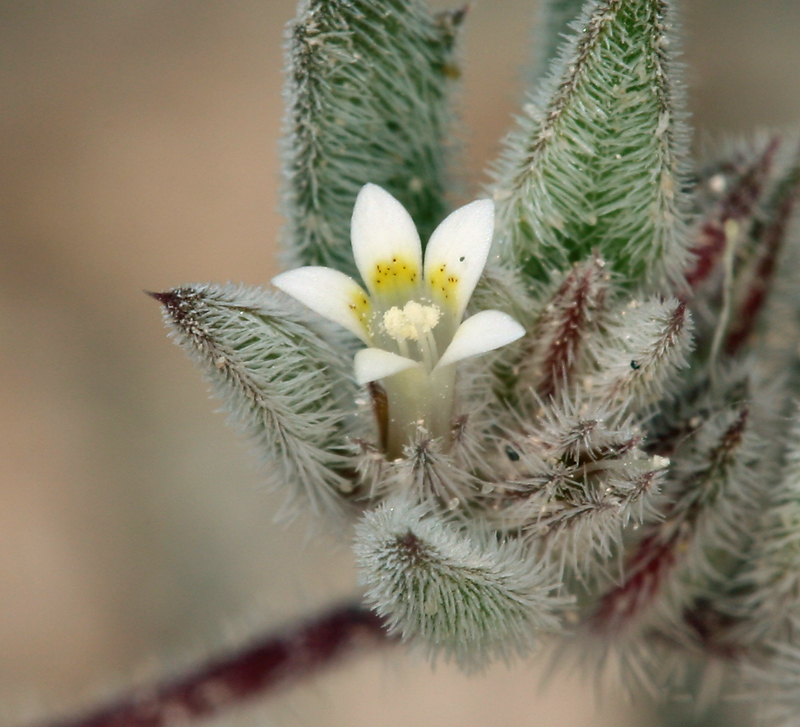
column 178, row 303
column 167, row 298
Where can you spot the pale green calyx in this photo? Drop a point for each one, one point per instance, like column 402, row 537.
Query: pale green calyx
column 410, row 315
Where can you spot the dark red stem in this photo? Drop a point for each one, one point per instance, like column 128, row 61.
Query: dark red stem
column 658, row 553
column 645, row 574
column 579, row 297
column 773, row 238
column 254, row 671
column 737, row 204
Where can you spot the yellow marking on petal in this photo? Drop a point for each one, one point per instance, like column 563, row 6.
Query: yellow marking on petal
column 395, row 274
column 444, row 285
column 360, row 305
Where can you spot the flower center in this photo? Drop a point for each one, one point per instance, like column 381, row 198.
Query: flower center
column 414, row 322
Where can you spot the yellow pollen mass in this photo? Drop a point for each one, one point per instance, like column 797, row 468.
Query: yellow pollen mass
column 413, row 321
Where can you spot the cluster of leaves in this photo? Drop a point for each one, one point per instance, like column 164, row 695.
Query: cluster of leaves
column 627, row 472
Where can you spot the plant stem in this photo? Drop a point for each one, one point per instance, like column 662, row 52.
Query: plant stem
column 254, row 671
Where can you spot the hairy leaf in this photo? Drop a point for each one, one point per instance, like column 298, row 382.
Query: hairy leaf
column 573, row 482
column 748, row 197
column 729, row 187
column 596, row 163
column 764, row 243
column 712, row 493
column 770, row 580
column 367, row 101
column 283, row 383
column 462, row 593
column 646, row 345
column 558, row 342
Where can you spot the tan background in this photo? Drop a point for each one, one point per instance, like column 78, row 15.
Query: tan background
column 138, row 151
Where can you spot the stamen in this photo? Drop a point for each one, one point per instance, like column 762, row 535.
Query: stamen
column 424, row 317
column 412, row 321
column 402, row 346
column 415, row 322
column 398, row 325
column 432, row 348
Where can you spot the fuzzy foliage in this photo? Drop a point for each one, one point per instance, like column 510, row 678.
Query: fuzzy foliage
column 284, row 384
column 557, row 347
column 474, row 598
column 747, row 200
column 771, row 579
column 624, row 471
column 359, row 73
column 596, row 163
column 645, row 347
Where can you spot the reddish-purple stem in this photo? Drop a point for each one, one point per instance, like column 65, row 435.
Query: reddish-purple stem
column 657, row 553
column 755, row 297
column 275, row 661
column 574, row 301
column 645, row 573
column 707, row 252
column 737, row 204
column 711, row 628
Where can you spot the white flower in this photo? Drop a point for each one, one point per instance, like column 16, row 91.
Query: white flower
column 410, row 315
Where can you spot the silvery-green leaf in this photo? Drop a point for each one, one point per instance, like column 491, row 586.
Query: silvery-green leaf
column 557, row 346
column 595, row 163
column 760, row 254
column 771, row 580
column 747, row 195
column 730, row 184
column 646, row 346
column 283, row 383
column 718, row 470
column 367, row 91
column 458, row 591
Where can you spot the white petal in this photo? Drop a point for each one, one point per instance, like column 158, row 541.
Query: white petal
column 457, row 252
column 372, row 364
column 330, row 293
column 485, row 331
column 383, row 234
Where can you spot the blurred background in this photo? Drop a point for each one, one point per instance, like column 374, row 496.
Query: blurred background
column 138, row 150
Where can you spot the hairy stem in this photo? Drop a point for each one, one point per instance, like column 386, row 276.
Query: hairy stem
column 254, row 671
